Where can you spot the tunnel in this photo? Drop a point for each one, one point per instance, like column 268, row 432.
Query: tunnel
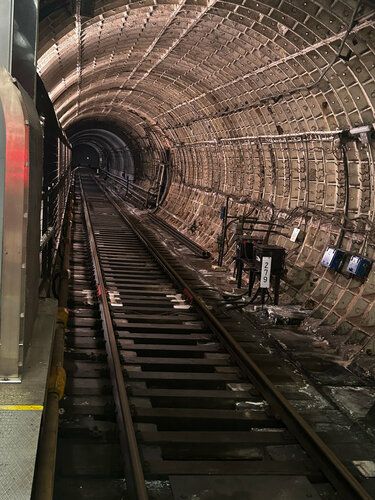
column 187, row 246
column 269, row 103
column 102, row 149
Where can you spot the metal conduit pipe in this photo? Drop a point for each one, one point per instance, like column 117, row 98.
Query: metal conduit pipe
column 46, row 460
column 325, row 135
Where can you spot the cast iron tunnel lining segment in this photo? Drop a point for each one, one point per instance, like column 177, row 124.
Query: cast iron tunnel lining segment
column 261, row 102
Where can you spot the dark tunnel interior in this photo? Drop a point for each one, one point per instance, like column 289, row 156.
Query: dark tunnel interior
column 187, row 241
column 269, row 104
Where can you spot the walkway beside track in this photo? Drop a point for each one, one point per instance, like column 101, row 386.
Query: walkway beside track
column 21, row 409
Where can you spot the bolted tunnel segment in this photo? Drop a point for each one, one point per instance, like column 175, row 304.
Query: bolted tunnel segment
column 257, row 101
column 187, row 249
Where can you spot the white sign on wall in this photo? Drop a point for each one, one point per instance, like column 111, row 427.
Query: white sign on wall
column 265, row 273
column 295, row 234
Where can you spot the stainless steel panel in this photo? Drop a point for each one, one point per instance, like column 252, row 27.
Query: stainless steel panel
column 14, row 221
column 6, row 33
column 25, row 29
column 2, row 179
column 33, row 194
column 18, row 444
column 19, row 205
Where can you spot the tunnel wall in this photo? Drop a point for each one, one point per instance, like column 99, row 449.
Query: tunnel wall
column 255, row 100
column 298, row 182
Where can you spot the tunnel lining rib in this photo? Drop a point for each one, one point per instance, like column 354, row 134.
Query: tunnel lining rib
column 204, row 80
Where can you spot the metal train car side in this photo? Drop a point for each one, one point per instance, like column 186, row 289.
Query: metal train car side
column 28, row 142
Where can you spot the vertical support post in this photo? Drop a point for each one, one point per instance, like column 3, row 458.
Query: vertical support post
column 251, row 281
column 223, row 233
column 160, row 182
column 277, row 289
column 239, row 263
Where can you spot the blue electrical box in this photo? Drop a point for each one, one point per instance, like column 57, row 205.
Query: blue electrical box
column 359, row 266
column 333, row 258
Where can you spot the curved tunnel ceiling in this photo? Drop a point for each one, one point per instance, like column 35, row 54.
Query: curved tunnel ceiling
column 197, row 69
column 249, row 99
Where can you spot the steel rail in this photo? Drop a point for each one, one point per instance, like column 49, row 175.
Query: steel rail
column 329, row 464
column 191, row 245
column 132, row 188
column 133, row 465
column 185, row 240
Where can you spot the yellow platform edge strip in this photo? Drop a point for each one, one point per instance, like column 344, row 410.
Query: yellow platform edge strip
column 21, row 407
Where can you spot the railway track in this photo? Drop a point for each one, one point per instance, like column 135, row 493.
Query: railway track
column 89, row 458
column 157, row 386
